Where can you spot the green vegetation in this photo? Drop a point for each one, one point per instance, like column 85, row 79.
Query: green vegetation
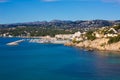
column 74, row 41
column 90, row 35
column 111, row 32
column 103, row 44
column 36, row 31
column 114, row 39
column 117, row 27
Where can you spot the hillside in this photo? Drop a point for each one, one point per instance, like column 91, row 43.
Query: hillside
column 52, row 28
column 65, row 24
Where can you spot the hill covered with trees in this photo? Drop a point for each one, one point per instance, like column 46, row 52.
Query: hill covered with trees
column 43, row 28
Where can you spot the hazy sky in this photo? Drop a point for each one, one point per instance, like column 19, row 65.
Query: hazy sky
column 12, row 11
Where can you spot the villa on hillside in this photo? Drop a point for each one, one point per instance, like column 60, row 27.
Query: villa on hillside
column 63, row 36
column 78, row 36
column 109, row 33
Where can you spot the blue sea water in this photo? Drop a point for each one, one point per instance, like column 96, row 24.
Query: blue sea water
column 31, row 61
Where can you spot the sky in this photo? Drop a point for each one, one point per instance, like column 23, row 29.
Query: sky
column 16, row 11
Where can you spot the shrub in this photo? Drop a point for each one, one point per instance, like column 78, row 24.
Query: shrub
column 114, row 39
column 90, row 35
column 103, row 44
column 117, row 27
column 74, row 41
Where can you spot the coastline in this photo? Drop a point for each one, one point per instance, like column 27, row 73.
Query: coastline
column 96, row 45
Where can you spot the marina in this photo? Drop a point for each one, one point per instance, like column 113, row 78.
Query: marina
column 53, row 41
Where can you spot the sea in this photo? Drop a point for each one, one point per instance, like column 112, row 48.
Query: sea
column 34, row 61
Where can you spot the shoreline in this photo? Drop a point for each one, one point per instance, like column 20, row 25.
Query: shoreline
column 96, row 45
column 93, row 49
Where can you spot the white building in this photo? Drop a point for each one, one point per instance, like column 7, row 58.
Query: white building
column 4, row 35
column 110, row 35
column 113, row 34
column 63, row 36
column 98, row 35
column 79, row 39
column 10, row 36
column 114, row 31
column 77, row 34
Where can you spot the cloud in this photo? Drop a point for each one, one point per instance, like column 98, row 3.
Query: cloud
column 2, row 1
column 49, row 0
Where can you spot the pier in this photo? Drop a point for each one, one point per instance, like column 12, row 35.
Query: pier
column 15, row 43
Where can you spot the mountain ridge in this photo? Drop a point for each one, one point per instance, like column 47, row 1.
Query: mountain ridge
column 65, row 23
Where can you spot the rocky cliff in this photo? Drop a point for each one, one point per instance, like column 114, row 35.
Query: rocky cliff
column 98, row 44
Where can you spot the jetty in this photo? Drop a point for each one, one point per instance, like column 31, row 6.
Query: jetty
column 15, row 43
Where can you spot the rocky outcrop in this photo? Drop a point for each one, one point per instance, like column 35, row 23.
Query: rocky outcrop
column 113, row 47
column 69, row 44
column 98, row 44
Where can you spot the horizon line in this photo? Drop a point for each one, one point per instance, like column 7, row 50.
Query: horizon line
column 58, row 20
